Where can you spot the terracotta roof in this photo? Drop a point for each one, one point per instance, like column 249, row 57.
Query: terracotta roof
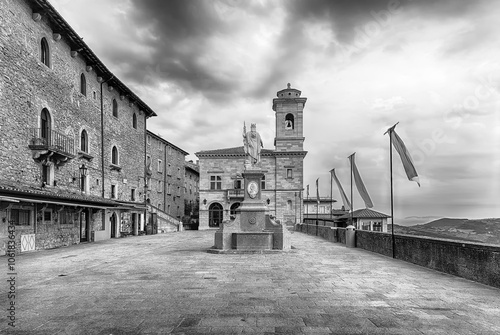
column 365, row 213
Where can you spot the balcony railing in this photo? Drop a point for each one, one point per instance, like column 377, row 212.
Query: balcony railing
column 54, row 141
column 236, row 193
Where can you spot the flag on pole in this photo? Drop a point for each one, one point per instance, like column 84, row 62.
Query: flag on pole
column 410, row 170
column 345, row 201
column 359, row 183
column 317, row 191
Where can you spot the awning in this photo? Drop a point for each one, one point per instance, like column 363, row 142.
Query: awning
column 59, row 202
column 8, row 199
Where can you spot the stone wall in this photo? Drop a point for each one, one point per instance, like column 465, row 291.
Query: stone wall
column 474, row 261
column 27, row 86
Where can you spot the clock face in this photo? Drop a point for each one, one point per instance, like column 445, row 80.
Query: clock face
column 252, row 189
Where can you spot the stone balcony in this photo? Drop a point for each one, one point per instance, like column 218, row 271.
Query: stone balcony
column 236, row 194
column 51, row 145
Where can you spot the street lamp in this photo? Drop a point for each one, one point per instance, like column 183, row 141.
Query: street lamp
column 83, row 175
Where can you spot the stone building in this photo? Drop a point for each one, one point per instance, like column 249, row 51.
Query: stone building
column 192, row 196
column 311, row 205
column 165, row 173
column 366, row 219
column 221, row 189
column 72, row 136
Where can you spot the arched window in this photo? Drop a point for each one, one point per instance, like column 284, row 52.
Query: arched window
column 114, row 156
column 84, row 142
column 115, row 108
column 44, row 52
column 289, row 124
column 134, row 121
column 45, row 126
column 234, row 207
column 83, row 85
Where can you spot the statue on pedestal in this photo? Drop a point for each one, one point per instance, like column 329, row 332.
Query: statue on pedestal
column 252, row 144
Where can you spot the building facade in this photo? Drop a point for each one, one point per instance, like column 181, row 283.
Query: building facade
column 73, row 136
column 221, row 182
column 191, row 197
column 165, row 180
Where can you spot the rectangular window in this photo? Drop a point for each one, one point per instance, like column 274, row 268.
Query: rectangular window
column 132, row 194
column 160, row 186
column 149, row 139
column 66, row 217
column 47, row 215
column 169, row 170
column 178, row 173
column 113, row 191
column 289, row 174
column 263, row 183
column 160, row 166
column 215, row 183
column 21, row 217
column 237, row 184
column 178, row 191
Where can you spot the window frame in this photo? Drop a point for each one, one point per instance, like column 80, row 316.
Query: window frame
column 45, row 52
column 17, row 221
column 84, row 141
column 115, row 156
column 134, row 121
column 83, row 84
column 215, row 182
column 115, row 108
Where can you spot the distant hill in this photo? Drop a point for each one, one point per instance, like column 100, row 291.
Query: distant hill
column 414, row 220
column 483, row 230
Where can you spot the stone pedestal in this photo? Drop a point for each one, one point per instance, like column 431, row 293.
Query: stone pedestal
column 251, row 230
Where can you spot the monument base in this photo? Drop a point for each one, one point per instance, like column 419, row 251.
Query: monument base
column 251, row 230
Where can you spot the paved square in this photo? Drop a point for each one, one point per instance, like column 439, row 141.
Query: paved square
column 168, row 283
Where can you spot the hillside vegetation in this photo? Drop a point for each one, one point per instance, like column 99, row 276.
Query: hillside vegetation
column 483, row 230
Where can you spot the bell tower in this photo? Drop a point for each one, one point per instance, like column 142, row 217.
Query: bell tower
column 289, row 108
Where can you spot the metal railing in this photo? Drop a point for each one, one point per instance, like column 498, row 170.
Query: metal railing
column 52, row 140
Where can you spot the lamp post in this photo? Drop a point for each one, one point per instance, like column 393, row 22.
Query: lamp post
column 83, row 177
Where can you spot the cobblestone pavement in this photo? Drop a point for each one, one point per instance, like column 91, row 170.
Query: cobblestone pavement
column 169, row 284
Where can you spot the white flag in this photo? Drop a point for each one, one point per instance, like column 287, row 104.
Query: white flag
column 359, row 184
column 345, row 201
column 410, row 170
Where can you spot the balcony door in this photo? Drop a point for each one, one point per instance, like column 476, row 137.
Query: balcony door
column 45, row 126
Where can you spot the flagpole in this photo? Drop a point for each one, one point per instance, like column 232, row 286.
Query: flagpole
column 352, row 200
column 390, row 130
column 307, row 209
column 331, row 195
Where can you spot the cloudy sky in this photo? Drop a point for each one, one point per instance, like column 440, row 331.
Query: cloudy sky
column 433, row 66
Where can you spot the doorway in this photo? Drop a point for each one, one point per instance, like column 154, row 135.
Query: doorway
column 84, row 226
column 215, row 212
column 112, row 219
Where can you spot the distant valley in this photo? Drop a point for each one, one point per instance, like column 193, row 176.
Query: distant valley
column 483, row 230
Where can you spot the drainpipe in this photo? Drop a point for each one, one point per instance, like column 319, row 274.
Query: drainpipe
column 102, row 137
column 275, row 186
